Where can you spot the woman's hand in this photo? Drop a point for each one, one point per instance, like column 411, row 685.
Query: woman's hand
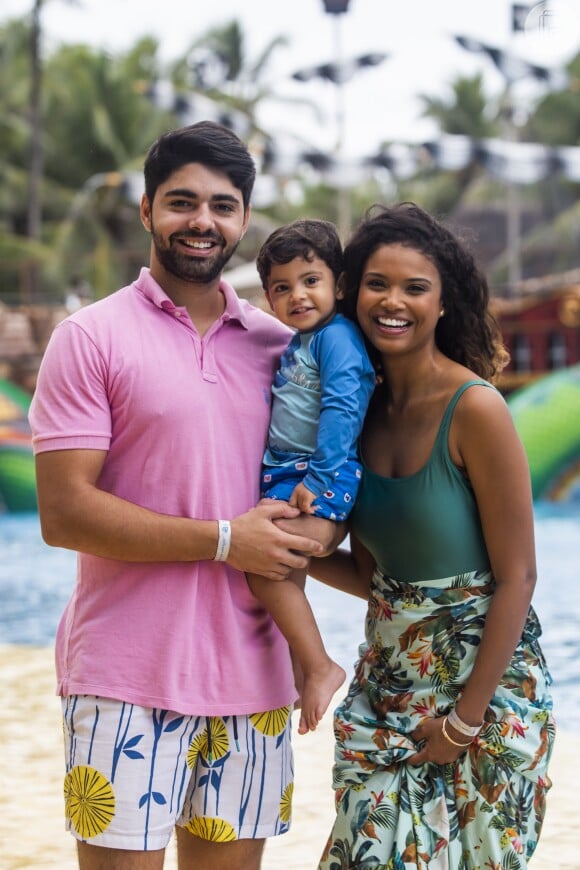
column 437, row 748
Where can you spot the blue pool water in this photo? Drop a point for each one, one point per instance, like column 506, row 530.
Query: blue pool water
column 36, row 581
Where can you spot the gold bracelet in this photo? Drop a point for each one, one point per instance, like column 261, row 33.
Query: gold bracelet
column 450, row 739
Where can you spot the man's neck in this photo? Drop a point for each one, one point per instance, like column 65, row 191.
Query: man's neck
column 204, row 302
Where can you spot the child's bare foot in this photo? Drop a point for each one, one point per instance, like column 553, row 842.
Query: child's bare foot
column 317, row 691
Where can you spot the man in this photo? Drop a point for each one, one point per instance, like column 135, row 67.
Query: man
column 149, row 423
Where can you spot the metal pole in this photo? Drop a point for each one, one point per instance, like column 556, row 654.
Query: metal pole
column 513, row 202
column 513, row 237
column 513, row 210
column 343, row 194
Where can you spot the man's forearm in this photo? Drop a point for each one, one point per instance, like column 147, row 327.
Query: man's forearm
column 108, row 526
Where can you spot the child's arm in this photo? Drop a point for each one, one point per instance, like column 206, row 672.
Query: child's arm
column 347, row 382
column 303, row 498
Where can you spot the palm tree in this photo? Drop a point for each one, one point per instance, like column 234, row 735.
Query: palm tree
column 217, row 78
column 218, row 69
column 556, row 118
column 468, row 112
column 94, row 118
column 217, row 65
column 20, row 243
column 36, row 150
column 107, row 123
column 471, row 198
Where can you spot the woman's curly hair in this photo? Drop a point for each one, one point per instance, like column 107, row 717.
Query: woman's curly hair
column 468, row 333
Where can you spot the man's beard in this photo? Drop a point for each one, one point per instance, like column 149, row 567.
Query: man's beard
column 197, row 270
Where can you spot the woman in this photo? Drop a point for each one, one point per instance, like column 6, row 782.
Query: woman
column 444, row 737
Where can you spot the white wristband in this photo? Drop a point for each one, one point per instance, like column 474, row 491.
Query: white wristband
column 224, row 540
column 461, row 726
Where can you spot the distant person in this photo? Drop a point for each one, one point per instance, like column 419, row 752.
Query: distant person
column 444, row 738
column 320, row 396
column 149, row 424
column 78, row 294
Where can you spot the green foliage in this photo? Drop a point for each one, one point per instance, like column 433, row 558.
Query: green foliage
column 95, row 118
column 556, row 118
column 97, row 122
column 478, row 199
column 105, row 120
column 437, row 191
column 468, row 112
column 14, row 92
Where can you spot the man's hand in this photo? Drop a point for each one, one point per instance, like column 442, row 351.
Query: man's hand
column 302, row 498
column 259, row 546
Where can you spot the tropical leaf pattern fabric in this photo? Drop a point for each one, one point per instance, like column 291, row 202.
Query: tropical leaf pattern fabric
column 483, row 812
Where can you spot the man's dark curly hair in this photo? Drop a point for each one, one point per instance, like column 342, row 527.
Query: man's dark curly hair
column 467, row 333
column 205, row 142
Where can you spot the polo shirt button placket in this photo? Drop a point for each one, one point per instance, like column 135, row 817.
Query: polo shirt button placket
column 208, row 372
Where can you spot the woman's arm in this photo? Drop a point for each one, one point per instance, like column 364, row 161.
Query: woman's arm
column 484, row 442
column 497, row 466
column 348, row 570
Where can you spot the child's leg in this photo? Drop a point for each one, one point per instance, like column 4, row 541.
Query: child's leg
column 291, row 611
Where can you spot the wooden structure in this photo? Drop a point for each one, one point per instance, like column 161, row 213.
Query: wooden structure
column 540, row 327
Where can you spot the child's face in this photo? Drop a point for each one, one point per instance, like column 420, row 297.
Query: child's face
column 302, row 293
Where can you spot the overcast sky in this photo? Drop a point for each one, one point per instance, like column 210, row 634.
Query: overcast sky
column 379, row 103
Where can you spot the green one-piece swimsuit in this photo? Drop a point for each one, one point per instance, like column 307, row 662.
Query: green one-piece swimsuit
column 426, row 613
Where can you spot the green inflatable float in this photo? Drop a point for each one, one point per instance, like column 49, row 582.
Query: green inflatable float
column 547, row 417
column 17, row 479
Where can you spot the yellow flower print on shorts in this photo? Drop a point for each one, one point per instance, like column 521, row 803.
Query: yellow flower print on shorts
column 213, row 742
column 286, row 803
column 216, row 830
column 89, row 801
column 272, row 722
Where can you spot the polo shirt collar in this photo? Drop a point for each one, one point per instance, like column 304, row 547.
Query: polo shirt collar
column 148, row 287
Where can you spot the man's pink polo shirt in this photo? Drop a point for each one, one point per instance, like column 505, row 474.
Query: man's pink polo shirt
column 183, row 420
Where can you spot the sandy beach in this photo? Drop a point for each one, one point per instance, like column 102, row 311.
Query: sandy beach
column 32, row 833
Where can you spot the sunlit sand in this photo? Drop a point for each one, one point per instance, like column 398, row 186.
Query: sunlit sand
column 32, row 831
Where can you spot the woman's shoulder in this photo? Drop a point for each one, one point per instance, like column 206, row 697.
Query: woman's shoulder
column 459, row 381
column 481, row 422
column 479, row 406
column 471, row 396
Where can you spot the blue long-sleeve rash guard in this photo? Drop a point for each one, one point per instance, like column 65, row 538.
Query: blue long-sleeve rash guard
column 320, row 397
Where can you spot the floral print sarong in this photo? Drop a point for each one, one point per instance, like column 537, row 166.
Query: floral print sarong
column 483, row 812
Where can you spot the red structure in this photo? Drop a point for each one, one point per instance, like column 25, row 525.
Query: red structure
column 540, row 328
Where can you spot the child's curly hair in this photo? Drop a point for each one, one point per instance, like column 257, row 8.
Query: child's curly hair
column 306, row 238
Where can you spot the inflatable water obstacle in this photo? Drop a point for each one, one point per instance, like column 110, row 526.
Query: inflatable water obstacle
column 17, row 478
column 546, row 414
